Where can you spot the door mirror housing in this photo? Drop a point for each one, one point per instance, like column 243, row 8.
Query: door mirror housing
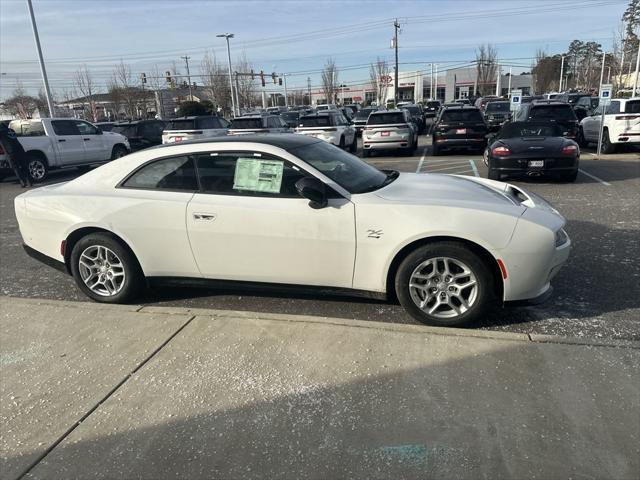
column 314, row 190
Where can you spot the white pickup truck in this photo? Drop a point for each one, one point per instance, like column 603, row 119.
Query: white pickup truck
column 52, row 143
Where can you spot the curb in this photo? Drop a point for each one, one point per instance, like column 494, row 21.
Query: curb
column 391, row 327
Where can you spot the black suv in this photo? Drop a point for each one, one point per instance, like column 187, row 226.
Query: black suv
column 141, row 133
column 360, row 118
column 554, row 111
column 496, row 113
column 417, row 116
column 431, row 108
column 460, row 126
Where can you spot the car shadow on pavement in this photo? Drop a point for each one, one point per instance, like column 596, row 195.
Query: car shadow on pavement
column 441, row 408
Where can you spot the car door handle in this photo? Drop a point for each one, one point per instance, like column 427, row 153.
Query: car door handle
column 205, row 217
column 86, row 139
column 61, row 140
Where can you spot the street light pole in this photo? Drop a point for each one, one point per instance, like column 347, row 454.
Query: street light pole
column 45, row 80
column 635, row 80
column 186, row 60
column 233, row 101
column 431, row 86
column 561, row 74
column 509, row 89
column 286, row 97
column 396, row 26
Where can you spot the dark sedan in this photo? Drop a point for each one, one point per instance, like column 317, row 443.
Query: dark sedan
column 532, row 149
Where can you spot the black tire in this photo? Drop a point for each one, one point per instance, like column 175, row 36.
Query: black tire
column 569, row 177
column 458, row 252
column 365, row 153
column 118, row 152
column 435, row 151
column 580, row 140
column 37, row 167
column 607, row 146
column 493, row 174
column 133, row 277
column 341, row 143
column 485, row 156
column 353, row 148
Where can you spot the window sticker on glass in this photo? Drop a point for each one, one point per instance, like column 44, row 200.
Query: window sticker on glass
column 258, row 175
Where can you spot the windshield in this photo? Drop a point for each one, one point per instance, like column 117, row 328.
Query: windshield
column 413, row 110
column 246, row 123
column 290, row 116
column 345, row 169
column 525, row 129
column 461, row 115
column 181, row 125
column 385, row 118
column 554, row 112
column 363, row 114
column 498, row 107
column 323, row 121
column 433, row 104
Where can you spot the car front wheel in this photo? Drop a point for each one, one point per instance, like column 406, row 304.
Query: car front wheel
column 444, row 284
column 38, row 168
column 105, row 270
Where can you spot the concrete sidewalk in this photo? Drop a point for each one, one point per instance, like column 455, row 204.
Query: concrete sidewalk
column 95, row 391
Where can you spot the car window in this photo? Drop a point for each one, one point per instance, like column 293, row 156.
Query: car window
column 613, row 107
column 363, row 114
column 556, row 112
column 498, row 107
column 207, row 123
column 461, row 115
column 319, row 121
column 249, row 174
column 27, row 129
column 181, row 125
column 529, row 129
column 65, row 127
column 246, row 123
column 86, row 128
column 126, row 130
column 386, row 118
column 632, row 106
column 174, row 173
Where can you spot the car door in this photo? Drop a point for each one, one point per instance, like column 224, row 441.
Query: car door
column 93, row 140
column 591, row 125
column 68, row 142
column 248, row 223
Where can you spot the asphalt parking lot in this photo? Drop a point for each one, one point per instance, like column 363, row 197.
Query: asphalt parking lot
column 597, row 294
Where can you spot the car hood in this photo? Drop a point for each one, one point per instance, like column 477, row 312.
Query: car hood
column 440, row 189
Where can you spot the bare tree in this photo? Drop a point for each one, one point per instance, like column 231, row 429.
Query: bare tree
column 83, row 82
column 247, row 87
column 156, row 83
column 130, row 94
column 487, row 68
column 378, row 76
column 215, row 78
column 330, row 81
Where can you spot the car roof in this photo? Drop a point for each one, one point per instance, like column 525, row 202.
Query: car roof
column 381, row 112
column 286, row 141
column 550, row 101
column 459, row 106
column 252, row 116
column 324, row 113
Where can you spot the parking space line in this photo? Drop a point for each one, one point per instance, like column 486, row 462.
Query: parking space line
column 446, row 161
column 424, row 154
column 474, row 168
column 595, row 178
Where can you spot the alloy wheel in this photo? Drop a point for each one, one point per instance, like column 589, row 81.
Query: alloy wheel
column 101, row 270
column 37, row 170
column 443, row 287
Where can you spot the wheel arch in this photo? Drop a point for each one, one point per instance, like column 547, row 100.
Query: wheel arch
column 118, row 145
column 38, row 153
column 482, row 252
column 75, row 236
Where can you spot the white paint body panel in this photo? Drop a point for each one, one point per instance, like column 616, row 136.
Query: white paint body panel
column 351, row 243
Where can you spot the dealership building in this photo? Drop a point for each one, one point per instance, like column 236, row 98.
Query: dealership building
column 415, row 86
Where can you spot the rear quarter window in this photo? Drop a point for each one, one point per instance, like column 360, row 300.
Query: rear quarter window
column 632, row 106
column 27, row 129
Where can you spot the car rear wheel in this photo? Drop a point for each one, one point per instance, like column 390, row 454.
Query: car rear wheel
column 37, row 167
column 341, row 143
column 444, row 284
column 105, row 270
column 607, row 146
column 580, row 140
column 434, row 149
column 118, row 152
column 569, row 177
column 485, row 156
column 365, row 153
column 354, row 145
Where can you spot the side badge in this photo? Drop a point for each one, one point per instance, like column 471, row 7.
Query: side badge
column 371, row 233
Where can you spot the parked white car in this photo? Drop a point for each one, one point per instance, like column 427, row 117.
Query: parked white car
column 621, row 125
column 52, row 143
column 191, row 128
column 330, row 126
column 290, row 209
column 326, row 106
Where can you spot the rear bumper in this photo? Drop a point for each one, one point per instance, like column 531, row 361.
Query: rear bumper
column 390, row 145
column 460, row 142
column 521, row 166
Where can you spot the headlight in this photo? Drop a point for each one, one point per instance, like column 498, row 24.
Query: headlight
column 561, row 237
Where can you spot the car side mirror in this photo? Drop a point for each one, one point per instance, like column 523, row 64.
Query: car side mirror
column 314, row 190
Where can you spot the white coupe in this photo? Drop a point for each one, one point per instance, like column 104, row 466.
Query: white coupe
column 291, row 209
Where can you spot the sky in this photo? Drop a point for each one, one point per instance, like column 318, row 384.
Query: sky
column 286, row 36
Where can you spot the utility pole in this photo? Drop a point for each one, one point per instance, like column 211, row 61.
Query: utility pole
column 604, row 57
column 228, row 36
column 635, row 80
column 621, row 64
column 45, row 80
column 498, row 92
column 396, row 26
column 561, row 74
column 431, row 87
column 309, row 89
column 603, row 103
column 237, row 94
column 509, row 89
column 186, row 60
column 286, row 98
column 435, row 83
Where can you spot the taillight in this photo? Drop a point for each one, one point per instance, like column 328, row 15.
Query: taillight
column 1, row 150
column 628, row 117
column 569, row 150
column 501, row 151
column 63, row 246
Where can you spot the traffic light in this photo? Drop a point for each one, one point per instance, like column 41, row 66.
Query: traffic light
column 167, row 75
column 143, row 78
column 262, row 77
column 273, row 75
column 280, row 81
